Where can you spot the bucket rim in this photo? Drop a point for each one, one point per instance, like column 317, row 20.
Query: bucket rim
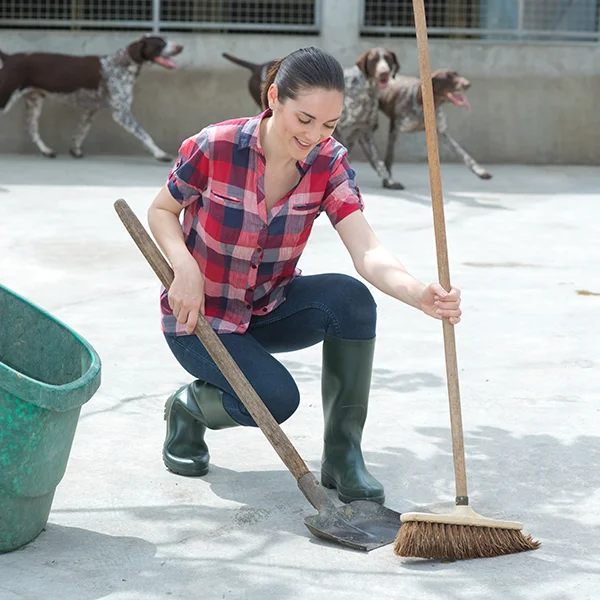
column 34, row 390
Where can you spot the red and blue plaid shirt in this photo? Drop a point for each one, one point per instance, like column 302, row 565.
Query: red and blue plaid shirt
column 246, row 255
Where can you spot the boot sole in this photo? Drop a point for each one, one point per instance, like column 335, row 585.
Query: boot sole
column 185, row 472
column 329, row 483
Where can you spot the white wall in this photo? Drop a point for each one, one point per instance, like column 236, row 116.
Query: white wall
column 531, row 103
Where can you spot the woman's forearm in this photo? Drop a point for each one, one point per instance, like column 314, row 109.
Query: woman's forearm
column 166, row 229
column 186, row 293
column 383, row 270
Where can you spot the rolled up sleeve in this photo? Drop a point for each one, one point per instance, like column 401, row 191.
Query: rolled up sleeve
column 189, row 176
column 342, row 196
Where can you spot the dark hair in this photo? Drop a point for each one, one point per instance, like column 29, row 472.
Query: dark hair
column 303, row 69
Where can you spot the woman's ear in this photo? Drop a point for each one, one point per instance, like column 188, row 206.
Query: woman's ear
column 272, row 95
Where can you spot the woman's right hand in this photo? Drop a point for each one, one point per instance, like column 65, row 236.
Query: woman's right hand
column 186, row 294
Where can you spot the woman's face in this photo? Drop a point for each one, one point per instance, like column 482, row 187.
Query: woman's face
column 302, row 123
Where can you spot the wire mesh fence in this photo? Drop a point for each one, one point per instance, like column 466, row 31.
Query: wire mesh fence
column 222, row 15
column 533, row 20
column 512, row 20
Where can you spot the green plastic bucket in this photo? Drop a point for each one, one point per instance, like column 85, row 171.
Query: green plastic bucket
column 47, row 372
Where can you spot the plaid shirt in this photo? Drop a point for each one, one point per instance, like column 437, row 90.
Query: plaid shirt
column 246, row 255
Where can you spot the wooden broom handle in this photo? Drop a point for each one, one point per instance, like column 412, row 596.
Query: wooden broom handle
column 245, row 392
column 458, row 448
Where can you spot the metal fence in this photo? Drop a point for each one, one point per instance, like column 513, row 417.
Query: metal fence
column 183, row 15
column 511, row 20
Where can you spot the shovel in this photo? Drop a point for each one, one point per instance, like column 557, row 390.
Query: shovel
column 362, row 525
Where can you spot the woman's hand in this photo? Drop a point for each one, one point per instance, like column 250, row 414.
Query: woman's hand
column 186, row 295
column 438, row 303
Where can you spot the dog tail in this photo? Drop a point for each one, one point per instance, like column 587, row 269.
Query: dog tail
column 239, row 61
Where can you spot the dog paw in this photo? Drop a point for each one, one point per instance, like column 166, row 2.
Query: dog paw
column 49, row 153
column 76, row 153
column 483, row 174
column 164, row 157
column 392, row 185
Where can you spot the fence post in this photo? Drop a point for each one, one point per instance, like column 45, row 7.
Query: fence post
column 520, row 18
column 319, row 14
column 340, row 26
column 155, row 16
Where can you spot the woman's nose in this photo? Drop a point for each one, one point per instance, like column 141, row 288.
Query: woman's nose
column 313, row 135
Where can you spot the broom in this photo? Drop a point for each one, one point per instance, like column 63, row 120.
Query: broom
column 462, row 533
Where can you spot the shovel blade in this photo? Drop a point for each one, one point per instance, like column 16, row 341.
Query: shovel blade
column 361, row 525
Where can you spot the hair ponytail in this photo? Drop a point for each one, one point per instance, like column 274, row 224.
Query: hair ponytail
column 303, row 70
column 271, row 75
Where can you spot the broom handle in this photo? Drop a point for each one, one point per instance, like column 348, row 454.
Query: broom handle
column 458, row 448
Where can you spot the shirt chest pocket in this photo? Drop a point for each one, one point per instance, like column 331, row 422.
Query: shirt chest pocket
column 301, row 215
column 222, row 194
column 307, row 207
column 225, row 212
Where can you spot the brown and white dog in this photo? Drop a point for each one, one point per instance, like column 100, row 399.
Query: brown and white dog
column 86, row 82
column 363, row 83
column 402, row 103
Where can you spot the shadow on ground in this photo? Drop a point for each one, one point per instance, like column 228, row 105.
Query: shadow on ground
column 537, row 476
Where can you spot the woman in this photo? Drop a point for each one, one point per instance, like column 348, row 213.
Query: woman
column 251, row 189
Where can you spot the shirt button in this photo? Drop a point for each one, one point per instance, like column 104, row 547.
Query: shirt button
column 254, row 267
column 265, row 309
column 259, row 249
column 248, row 305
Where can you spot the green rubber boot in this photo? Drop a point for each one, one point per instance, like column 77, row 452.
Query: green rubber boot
column 345, row 384
column 189, row 412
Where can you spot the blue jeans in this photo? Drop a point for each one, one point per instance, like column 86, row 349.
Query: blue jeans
column 336, row 304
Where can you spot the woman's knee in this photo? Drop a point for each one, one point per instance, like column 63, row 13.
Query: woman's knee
column 354, row 308
column 284, row 404
column 281, row 397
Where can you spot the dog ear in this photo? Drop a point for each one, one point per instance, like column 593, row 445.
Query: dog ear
column 136, row 50
column 439, row 81
column 361, row 62
column 396, row 62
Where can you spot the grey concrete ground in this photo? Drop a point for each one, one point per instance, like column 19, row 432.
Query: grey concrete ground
column 122, row 527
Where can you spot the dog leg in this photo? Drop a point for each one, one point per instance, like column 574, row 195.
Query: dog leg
column 391, row 146
column 34, row 102
column 466, row 158
column 367, row 152
column 370, row 150
column 9, row 97
column 127, row 121
column 346, row 141
column 81, row 132
column 389, row 157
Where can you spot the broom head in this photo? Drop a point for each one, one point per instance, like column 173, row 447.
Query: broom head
column 459, row 534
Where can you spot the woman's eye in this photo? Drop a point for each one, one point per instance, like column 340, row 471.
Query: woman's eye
column 330, row 126
column 303, row 122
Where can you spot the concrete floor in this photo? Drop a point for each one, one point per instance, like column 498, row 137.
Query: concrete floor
column 521, row 247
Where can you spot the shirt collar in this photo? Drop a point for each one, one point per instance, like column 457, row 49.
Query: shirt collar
column 249, row 137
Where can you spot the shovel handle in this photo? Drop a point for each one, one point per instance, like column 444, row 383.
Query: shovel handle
column 245, row 392
column 433, row 158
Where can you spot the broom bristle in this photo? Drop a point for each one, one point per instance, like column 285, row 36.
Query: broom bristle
column 455, row 542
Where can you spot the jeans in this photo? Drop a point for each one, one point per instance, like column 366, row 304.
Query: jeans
column 336, row 304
